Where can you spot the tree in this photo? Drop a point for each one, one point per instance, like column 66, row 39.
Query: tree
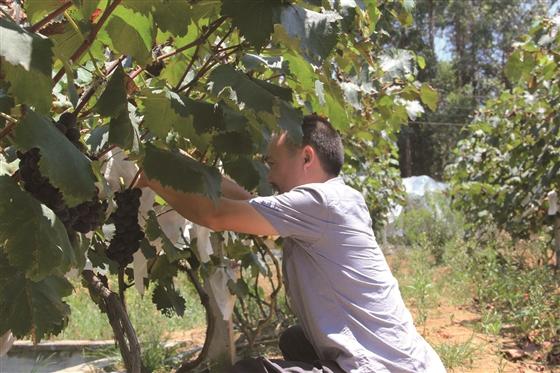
column 508, row 162
column 479, row 36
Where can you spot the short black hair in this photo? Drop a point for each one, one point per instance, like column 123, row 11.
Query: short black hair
column 319, row 133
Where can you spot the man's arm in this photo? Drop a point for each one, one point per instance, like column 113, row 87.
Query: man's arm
column 222, row 214
column 232, row 190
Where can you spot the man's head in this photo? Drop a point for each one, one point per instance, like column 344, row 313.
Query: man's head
column 318, row 158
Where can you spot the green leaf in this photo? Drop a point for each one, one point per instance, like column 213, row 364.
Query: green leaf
column 244, row 171
column 33, row 238
column 238, row 288
column 181, row 173
column 163, row 270
column 29, row 87
column 159, row 115
column 112, row 102
column 67, row 168
column 121, row 131
column 281, row 92
column 28, row 306
column 132, row 34
column 68, row 42
column 205, row 116
column 254, row 18
column 316, row 33
column 247, row 92
column 429, row 97
column 237, row 250
column 172, row 16
column 28, row 67
column 37, row 9
column 87, row 7
column 233, row 143
column 421, row 62
column 168, row 300
column 302, row 72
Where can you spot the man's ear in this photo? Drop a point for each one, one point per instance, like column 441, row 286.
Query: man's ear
column 308, row 154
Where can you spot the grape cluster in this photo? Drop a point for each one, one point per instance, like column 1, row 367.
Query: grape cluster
column 68, row 125
column 82, row 218
column 128, row 233
column 154, row 69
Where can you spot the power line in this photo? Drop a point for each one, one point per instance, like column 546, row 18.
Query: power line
column 441, row 123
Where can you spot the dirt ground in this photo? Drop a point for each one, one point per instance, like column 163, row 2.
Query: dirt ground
column 445, row 324
column 454, row 324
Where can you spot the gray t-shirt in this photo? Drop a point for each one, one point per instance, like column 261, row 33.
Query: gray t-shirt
column 340, row 286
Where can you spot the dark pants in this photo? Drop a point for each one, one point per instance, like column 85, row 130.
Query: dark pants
column 299, row 357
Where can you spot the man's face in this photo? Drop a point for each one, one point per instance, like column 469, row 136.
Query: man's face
column 285, row 165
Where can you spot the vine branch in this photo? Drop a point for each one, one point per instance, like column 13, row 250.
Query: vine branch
column 39, row 25
column 90, row 38
column 188, row 366
column 119, row 320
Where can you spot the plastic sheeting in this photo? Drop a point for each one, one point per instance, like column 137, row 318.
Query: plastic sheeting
column 6, row 342
column 416, row 188
column 218, row 281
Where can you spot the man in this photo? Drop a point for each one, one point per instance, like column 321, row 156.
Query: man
column 352, row 316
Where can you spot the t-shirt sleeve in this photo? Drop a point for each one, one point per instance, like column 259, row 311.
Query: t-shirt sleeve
column 300, row 213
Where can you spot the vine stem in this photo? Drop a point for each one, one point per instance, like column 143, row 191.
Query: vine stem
column 195, row 43
column 188, row 366
column 90, row 38
column 122, row 286
column 6, row 130
column 120, row 322
column 39, row 25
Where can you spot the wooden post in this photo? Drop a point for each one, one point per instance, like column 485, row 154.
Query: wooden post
column 557, row 239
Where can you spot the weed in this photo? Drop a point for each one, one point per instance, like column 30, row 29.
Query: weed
column 457, row 354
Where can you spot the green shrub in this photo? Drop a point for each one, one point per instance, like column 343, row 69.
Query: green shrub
column 432, row 220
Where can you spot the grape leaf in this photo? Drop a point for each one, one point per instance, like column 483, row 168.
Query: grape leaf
column 66, row 167
column 247, row 92
column 254, row 18
column 233, row 143
column 243, row 171
column 316, row 33
column 37, row 9
column 159, row 115
column 168, row 300
column 121, row 131
column 172, row 16
column 429, row 96
column 87, row 7
column 67, row 43
column 180, row 172
column 27, row 306
column 113, row 99
column 28, row 67
column 205, row 116
column 132, row 34
column 34, row 239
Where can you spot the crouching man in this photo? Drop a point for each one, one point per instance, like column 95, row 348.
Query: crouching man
column 351, row 314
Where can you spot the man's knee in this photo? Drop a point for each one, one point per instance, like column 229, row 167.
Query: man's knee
column 291, row 337
column 295, row 346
